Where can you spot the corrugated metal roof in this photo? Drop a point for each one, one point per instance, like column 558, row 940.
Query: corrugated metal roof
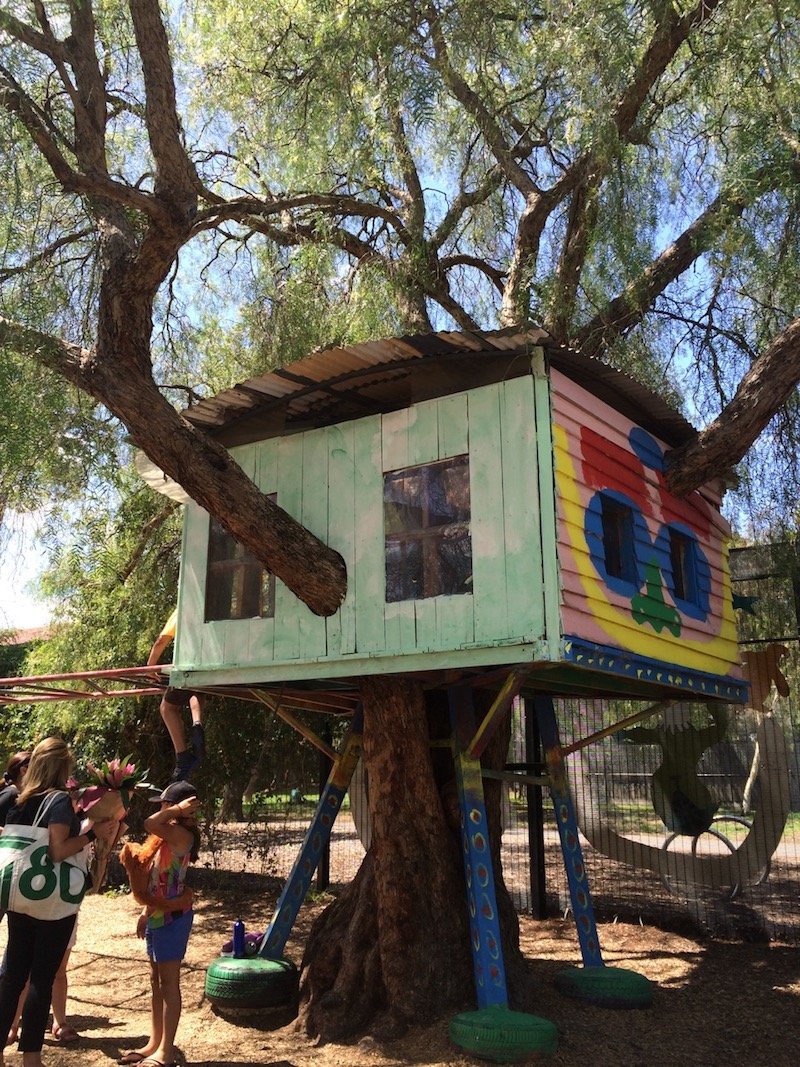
column 338, row 384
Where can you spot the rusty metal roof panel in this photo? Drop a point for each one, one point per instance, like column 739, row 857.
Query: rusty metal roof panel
column 351, row 381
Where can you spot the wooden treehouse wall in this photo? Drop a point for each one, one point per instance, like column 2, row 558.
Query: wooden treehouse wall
column 331, row 480
column 598, row 451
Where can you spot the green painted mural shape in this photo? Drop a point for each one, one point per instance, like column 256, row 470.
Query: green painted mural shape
column 650, row 606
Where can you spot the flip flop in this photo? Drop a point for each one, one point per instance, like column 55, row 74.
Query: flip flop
column 132, row 1056
column 150, row 1062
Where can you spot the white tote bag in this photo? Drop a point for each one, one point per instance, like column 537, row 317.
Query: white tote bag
column 30, row 882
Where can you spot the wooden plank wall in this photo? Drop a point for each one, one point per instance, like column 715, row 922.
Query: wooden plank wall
column 593, row 450
column 332, row 480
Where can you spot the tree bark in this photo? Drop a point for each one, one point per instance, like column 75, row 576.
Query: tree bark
column 393, row 950
column 761, row 394
column 121, row 380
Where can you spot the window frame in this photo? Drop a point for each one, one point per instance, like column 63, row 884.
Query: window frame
column 246, row 572
column 427, row 536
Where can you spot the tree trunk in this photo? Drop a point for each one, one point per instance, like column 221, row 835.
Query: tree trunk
column 232, row 808
column 393, row 950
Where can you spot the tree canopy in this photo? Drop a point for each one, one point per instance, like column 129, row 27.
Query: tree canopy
column 185, row 181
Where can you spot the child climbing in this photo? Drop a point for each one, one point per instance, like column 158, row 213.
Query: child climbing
column 157, row 874
column 187, row 757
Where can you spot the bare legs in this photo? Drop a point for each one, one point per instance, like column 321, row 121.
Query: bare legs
column 165, row 1011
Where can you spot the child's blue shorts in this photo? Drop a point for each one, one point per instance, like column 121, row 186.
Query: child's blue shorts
column 168, row 943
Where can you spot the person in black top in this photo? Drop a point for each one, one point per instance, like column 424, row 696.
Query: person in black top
column 36, row 946
column 12, row 779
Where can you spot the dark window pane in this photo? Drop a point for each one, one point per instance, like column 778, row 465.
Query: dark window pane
column 404, row 499
column 448, row 499
column 455, row 559
column 426, row 523
column 682, row 559
column 618, row 539
column 403, row 570
column 237, row 585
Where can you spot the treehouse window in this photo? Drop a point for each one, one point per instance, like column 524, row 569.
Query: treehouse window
column 618, row 544
column 426, row 513
column 684, row 568
column 237, row 584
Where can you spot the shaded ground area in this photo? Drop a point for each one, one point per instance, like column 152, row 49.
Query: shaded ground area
column 715, row 1001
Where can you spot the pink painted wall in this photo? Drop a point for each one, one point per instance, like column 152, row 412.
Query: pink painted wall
column 598, row 452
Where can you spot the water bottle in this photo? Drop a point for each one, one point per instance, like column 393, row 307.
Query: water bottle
column 238, row 939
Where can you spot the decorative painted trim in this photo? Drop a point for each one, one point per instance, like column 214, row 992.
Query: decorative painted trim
column 607, row 660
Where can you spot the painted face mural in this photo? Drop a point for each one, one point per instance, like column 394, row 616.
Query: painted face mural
column 642, row 570
column 631, row 561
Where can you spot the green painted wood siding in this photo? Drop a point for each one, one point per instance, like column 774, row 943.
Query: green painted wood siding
column 331, row 480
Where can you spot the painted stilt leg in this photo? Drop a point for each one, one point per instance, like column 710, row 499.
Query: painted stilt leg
column 612, row 986
column 318, row 834
column 568, row 833
column 487, row 953
column 493, row 1032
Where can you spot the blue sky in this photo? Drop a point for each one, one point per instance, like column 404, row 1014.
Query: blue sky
column 20, row 563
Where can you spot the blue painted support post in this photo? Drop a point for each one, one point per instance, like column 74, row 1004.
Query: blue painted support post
column 319, row 832
column 568, row 832
column 487, row 952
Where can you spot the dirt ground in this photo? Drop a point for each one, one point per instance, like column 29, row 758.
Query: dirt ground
column 714, row 1002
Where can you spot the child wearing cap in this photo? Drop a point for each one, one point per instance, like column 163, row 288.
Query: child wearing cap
column 157, row 872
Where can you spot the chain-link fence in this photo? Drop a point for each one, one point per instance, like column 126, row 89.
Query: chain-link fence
column 689, row 816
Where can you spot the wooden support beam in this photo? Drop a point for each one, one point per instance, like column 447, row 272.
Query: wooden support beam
column 496, row 712
column 274, row 704
column 512, row 776
column 623, row 724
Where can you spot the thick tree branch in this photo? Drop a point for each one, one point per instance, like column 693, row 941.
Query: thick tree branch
column 628, row 308
column 580, row 225
column 594, row 164
column 761, row 394
column 336, row 206
column 95, row 186
column 205, row 469
column 503, row 152
column 495, row 276
column 176, row 180
column 414, row 198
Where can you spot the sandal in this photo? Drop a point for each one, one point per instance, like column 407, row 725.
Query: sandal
column 132, row 1056
column 65, row 1035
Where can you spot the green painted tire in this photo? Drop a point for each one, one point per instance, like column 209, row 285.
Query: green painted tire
column 502, row 1035
column 251, row 983
column 609, row 987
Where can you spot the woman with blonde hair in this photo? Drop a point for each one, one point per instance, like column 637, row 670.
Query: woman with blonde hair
column 36, row 946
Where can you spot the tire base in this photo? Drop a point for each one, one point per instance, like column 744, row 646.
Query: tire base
column 502, row 1035
column 251, row 983
column 608, row 987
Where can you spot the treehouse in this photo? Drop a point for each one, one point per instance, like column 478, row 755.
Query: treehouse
column 501, row 505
